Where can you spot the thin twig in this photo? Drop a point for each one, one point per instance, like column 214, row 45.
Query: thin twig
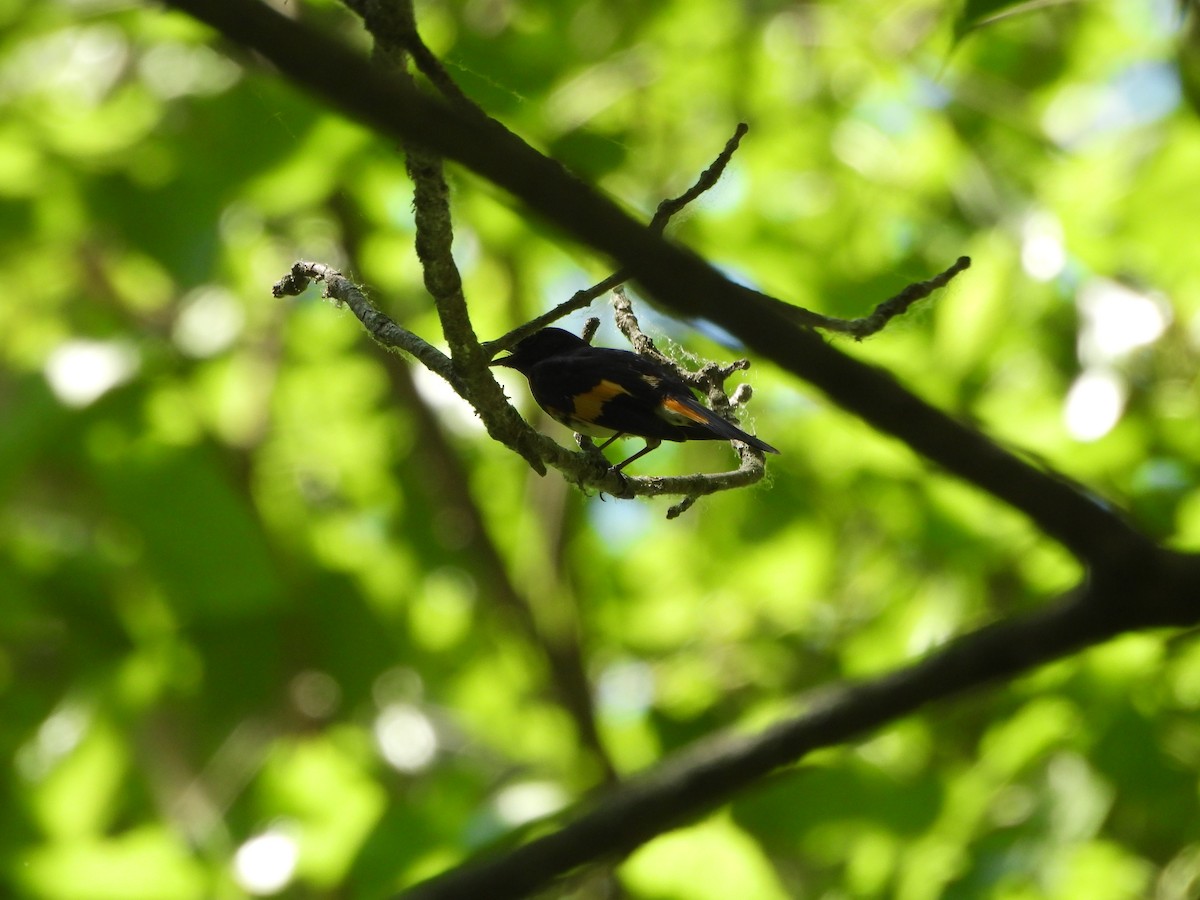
column 588, row 471
column 707, row 180
column 384, row 331
column 590, row 327
column 662, row 215
column 431, row 67
column 881, row 315
column 681, row 507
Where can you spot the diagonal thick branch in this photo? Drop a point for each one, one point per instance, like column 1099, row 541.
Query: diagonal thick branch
column 666, row 209
column 1164, row 590
column 675, row 277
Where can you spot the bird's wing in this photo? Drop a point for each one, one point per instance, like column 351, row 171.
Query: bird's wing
column 625, row 393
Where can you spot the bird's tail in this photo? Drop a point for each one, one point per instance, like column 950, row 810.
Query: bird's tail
column 709, row 423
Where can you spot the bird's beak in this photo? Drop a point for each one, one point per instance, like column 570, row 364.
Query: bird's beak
column 502, row 361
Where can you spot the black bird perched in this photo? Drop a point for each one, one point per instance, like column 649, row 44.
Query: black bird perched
column 602, row 392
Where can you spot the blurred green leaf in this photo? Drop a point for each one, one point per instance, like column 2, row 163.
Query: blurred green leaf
column 229, row 563
column 145, row 863
column 198, row 533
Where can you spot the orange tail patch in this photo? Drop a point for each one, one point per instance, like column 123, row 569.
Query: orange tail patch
column 682, row 409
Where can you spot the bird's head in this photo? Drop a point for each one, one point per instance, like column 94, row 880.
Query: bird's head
column 539, row 346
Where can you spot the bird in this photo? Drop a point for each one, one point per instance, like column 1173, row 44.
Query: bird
column 608, row 393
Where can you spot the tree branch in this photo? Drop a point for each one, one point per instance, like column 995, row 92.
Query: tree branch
column 881, row 314
column 710, row 773
column 674, row 276
column 382, row 329
column 446, row 484
column 583, row 469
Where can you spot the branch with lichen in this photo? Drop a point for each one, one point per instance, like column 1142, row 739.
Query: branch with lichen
column 466, row 366
column 465, row 369
column 587, row 470
column 380, row 327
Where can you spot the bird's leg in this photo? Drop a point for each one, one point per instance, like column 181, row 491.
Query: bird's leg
column 618, row 435
column 651, row 444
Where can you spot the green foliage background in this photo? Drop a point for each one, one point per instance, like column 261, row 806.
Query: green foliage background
column 250, row 570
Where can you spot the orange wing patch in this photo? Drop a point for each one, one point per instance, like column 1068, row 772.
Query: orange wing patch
column 681, row 409
column 589, row 404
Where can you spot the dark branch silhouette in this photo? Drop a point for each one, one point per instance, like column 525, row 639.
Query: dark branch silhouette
column 1132, row 583
column 672, row 275
column 712, row 772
